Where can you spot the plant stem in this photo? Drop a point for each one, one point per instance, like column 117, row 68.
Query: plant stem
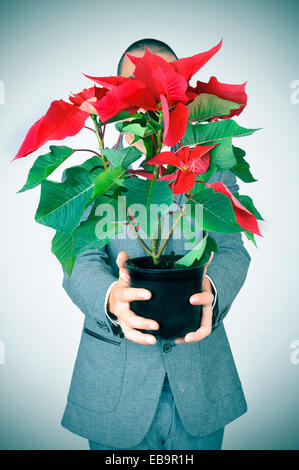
column 156, row 172
column 90, row 128
column 157, row 236
column 153, row 139
column 140, row 241
column 117, row 143
column 154, row 253
column 169, row 233
column 159, row 230
column 100, row 138
column 182, row 210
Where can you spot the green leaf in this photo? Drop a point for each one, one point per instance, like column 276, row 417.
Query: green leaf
column 62, row 247
column 150, row 146
column 155, row 125
column 193, row 255
column 153, row 199
column 251, row 237
column 124, row 115
column 135, row 128
column 44, row 165
column 62, row 204
column 139, row 127
column 247, row 202
column 122, row 158
column 94, row 165
column 103, row 224
column 107, row 180
column 211, row 245
column 206, row 106
column 242, row 168
column 223, row 156
column 205, row 177
column 214, row 132
column 216, row 213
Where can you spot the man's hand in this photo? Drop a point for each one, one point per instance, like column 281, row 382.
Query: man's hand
column 119, row 304
column 205, row 298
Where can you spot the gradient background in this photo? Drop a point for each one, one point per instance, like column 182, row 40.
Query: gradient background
column 44, row 48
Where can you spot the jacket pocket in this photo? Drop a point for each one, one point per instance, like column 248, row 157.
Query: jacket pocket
column 101, row 337
column 220, row 376
column 98, row 373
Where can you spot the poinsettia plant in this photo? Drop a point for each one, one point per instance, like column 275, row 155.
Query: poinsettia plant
column 158, row 106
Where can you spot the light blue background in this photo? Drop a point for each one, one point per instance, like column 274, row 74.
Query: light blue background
column 44, row 48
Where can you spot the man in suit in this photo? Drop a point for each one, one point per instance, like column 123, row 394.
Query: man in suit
column 131, row 390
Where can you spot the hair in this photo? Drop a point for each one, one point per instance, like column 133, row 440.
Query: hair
column 154, row 45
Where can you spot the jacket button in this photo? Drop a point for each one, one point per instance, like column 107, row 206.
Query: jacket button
column 167, row 347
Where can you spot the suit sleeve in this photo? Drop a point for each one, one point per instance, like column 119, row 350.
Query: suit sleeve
column 90, row 279
column 230, row 264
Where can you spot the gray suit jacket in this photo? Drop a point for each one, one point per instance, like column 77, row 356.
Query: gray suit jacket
column 116, row 383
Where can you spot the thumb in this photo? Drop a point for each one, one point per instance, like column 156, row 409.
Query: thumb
column 122, row 257
column 206, row 266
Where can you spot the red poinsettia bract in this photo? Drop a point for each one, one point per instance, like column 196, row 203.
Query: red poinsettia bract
column 234, row 93
column 243, row 217
column 158, row 84
column 190, row 162
column 61, row 120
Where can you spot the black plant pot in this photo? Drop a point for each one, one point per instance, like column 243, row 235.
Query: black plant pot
column 171, row 290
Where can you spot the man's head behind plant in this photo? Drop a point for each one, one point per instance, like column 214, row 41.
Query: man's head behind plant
column 125, row 68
